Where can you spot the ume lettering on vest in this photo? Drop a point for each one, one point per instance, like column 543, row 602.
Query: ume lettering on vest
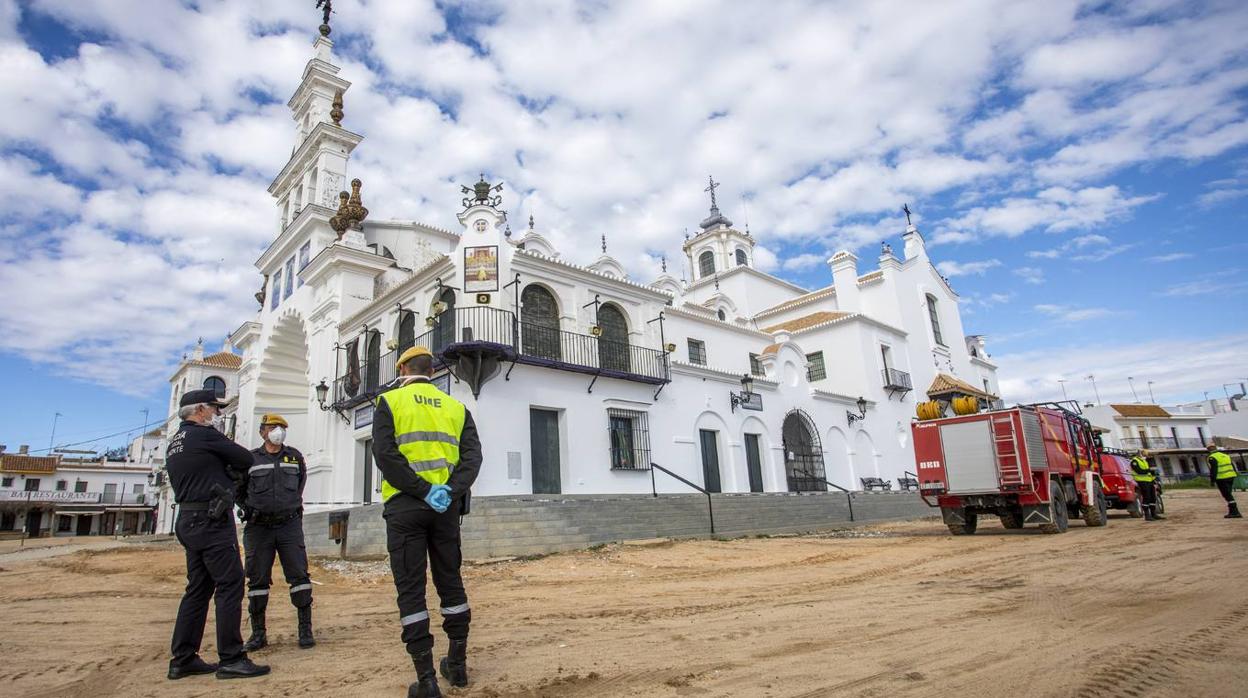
column 434, row 401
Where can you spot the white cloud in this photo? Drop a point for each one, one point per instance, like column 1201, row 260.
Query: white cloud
column 1055, row 209
column 1066, row 314
column 1204, row 287
column 804, row 261
column 951, row 268
column 1220, row 196
column 1031, row 375
column 1171, row 257
column 1031, row 275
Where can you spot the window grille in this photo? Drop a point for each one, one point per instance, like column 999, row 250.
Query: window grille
column 815, row 369
column 697, row 352
column 61, row 485
column 706, row 264
column 756, row 365
column 6, row 482
column 630, row 439
column 80, row 486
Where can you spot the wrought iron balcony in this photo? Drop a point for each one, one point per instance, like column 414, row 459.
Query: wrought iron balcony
column 896, row 381
column 1162, row 443
column 460, row 330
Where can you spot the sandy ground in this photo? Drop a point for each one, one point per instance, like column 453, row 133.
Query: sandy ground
column 1133, row 609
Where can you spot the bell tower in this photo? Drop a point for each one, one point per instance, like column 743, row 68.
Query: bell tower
column 719, row 247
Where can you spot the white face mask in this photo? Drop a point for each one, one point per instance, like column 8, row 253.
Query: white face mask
column 277, row 436
column 218, row 422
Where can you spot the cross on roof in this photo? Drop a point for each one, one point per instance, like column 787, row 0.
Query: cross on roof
column 906, row 207
column 711, row 188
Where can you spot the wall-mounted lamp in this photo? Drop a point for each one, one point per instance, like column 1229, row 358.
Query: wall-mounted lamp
column 596, row 330
column 392, row 344
column 862, row 412
column 439, row 307
column 746, row 394
column 431, row 321
column 322, row 394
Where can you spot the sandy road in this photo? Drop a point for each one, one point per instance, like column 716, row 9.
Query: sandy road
column 1133, row 609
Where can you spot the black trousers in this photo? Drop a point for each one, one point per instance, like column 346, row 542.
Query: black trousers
column 1225, row 487
column 212, row 570
column 413, row 536
column 262, row 544
column 1148, row 493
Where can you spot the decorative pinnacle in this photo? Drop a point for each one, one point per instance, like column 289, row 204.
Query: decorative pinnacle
column 507, row 232
column 351, row 211
column 663, row 261
column 530, row 221
column 482, row 194
column 604, row 243
column 336, row 112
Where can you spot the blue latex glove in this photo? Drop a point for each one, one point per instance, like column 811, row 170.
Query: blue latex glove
column 439, row 498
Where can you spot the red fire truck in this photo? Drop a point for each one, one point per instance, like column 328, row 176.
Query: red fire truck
column 1028, row 464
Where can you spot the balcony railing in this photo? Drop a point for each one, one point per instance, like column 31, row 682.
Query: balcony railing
column 896, row 380
column 526, row 343
column 1162, row 443
column 583, row 353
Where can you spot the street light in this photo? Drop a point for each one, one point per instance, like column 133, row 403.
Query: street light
column 747, row 392
column 862, row 412
column 1094, row 390
column 322, row 393
column 1062, row 382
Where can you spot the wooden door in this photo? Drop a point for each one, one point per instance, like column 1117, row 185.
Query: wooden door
column 710, row 460
column 754, row 462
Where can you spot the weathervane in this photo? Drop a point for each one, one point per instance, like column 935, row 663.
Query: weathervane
column 906, row 207
column 326, row 7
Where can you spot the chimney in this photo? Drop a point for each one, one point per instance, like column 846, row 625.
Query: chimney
column 23, row 450
column 845, row 278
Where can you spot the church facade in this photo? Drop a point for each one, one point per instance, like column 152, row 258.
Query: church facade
column 580, row 377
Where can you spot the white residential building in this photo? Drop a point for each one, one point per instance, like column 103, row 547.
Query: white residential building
column 59, row 496
column 1174, row 439
column 580, row 377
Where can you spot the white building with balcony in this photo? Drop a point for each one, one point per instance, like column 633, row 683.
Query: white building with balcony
column 578, row 375
column 60, row 496
column 1174, row 438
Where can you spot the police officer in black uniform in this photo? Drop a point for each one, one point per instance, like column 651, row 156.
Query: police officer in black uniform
column 273, row 509
column 199, row 459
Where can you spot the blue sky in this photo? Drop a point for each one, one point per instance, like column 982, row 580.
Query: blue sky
column 1080, row 170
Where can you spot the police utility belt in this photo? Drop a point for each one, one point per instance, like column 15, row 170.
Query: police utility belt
column 270, row 518
column 221, row 504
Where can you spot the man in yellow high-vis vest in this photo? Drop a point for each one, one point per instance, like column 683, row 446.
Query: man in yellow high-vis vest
column 1222, row 475
column 1146, row 486
column 426, row 446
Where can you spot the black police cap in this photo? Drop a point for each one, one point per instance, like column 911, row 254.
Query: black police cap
column 196, row 397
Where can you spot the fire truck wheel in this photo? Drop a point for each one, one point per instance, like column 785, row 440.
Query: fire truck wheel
column 1058, row 507
column 1097, row 514
column 965, row 529
column 1135, row 511
column 1012, row 520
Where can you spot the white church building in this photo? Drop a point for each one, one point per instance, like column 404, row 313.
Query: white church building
column 579, row 376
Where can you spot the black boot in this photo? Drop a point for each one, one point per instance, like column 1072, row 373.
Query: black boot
column 305, row 627
column 1233, row 511
column 426, row 685
column 1149, row 514
column 258, row 637
column 454, row 665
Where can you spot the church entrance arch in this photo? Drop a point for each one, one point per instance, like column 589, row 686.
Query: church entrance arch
column 803, row 453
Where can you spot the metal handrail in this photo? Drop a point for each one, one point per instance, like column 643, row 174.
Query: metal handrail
column 559, row 345
column 849, row 495
column 894, row 378
column 710, row 509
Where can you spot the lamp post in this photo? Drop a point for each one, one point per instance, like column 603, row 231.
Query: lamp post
column 1150, row 393
column 1131, row 382
column 52, row 439
column 862, row 412
column 1062, row 382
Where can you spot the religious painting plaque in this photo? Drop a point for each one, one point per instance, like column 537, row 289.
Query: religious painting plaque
column 481, row 269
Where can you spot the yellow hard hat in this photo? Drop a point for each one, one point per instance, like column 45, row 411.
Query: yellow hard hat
column 413, row 353
column 273, row 420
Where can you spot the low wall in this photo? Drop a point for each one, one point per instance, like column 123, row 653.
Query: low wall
column 536, row 524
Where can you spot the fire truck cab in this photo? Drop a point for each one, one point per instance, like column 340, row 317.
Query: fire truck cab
column 1029, row 464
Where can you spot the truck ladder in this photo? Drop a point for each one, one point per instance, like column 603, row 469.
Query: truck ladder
column 1005, row 441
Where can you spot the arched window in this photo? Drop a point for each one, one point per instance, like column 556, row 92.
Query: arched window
column 706, row 264
column 407, row 330
column 722, row 315
column 216, row 385
column 372, row 367
column 539, row 322
column 935, row 318
column 444, row 333
column 613, row 344
column 741, row 259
